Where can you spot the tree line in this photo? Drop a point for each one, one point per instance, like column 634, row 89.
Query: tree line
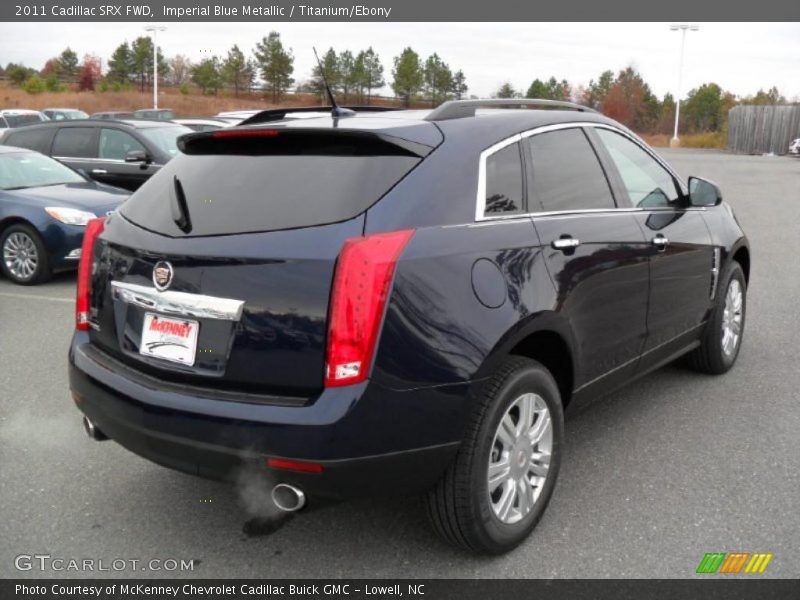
column 354, row 77
column 626, row 97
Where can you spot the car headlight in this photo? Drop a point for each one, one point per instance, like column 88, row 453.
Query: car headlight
column 70, row 216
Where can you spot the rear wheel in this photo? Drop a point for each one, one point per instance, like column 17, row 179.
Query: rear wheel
column 722, row 338
column 503, row 476
column 24, row 257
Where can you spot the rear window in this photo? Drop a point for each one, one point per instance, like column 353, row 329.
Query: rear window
column 33, row 139
column 23, row 119
column 267, row 185
column 504, row 181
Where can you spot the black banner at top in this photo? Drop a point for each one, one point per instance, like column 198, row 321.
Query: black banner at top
column 397, row 10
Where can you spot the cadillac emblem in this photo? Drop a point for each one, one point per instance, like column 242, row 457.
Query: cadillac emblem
column 162, row 275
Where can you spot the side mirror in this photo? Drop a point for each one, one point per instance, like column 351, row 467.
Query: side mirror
column 138, row 156
column 703, row 192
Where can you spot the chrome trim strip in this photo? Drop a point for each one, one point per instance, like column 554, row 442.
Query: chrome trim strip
column 178, row 303
column 480, row 206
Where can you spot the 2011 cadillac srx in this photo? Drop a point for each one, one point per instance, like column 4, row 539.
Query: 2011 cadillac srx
column 371, row 302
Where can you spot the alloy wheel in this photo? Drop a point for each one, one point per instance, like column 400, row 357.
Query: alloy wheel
column 20, row 255
column 732, row 318
column 520, row 458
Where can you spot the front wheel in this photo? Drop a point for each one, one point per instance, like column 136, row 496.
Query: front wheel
column 719, row 346
column 504, row 473
column 24, row 256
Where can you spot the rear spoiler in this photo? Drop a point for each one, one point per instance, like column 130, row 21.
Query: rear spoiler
column 264, row 141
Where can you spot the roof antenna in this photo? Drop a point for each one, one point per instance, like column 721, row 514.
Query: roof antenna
column 336, row 111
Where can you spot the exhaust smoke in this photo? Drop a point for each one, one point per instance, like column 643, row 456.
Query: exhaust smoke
column 254, row 490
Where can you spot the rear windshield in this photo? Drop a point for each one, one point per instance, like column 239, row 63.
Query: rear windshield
column 237, row 193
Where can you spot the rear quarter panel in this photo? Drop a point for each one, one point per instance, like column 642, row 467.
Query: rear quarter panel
column 437, row 331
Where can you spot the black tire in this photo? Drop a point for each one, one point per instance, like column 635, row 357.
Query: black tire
column 43, row 270
column 459, row 505
column 710, row 357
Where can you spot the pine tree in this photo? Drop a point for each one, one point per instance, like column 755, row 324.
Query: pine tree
column 275, row 63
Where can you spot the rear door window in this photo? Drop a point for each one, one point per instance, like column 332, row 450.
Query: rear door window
column 504, row 191
column 255, row 185
column 75, row 142
column 566, row 172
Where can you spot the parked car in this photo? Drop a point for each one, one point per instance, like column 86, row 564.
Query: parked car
column 64, row 114
column 155, row 114
column 399, row 302
column 203, row 124
column 794, row 147
column 44, row 208
column 120, row 153
column 118, row 115
column 20, row 117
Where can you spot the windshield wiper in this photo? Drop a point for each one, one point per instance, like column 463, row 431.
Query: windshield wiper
column 179, row 208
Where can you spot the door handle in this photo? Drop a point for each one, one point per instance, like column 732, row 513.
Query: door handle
column 99, row 171
column 660, row 242
column 566, row 243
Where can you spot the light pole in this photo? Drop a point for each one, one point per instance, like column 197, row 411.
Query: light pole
column 683, row 28
column 154, row 29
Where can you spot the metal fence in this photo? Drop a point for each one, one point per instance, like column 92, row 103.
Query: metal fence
column 762, row 129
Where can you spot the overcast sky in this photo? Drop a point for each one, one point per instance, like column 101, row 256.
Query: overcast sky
column 740, row 57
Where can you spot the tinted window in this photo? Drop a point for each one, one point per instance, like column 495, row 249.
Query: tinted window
column 34, row 139
column 648, row 183
column 75, row 142
column 238, row 193
column 504, row 181
column 566, row 172
column 115, row 144
column 24, row 119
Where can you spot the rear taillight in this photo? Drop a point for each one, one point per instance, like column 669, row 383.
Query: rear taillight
column 361, row 286
column 93, row 229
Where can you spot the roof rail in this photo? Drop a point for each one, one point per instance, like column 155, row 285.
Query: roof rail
column 458, row 109
column 277, row 114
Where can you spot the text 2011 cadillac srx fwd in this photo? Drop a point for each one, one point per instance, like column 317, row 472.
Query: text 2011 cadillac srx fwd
column 379, row 302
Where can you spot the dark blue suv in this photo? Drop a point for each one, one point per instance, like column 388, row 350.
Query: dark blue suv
column 399, row 301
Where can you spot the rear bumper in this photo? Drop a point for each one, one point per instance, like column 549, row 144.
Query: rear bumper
column 368, row 439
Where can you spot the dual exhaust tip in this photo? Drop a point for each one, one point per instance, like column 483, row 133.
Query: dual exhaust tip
column 287, row 498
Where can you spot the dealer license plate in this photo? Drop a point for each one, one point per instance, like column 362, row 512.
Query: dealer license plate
column 169, row 339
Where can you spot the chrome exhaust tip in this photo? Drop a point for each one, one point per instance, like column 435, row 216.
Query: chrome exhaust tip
column 93, row 431
column 288, row 498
